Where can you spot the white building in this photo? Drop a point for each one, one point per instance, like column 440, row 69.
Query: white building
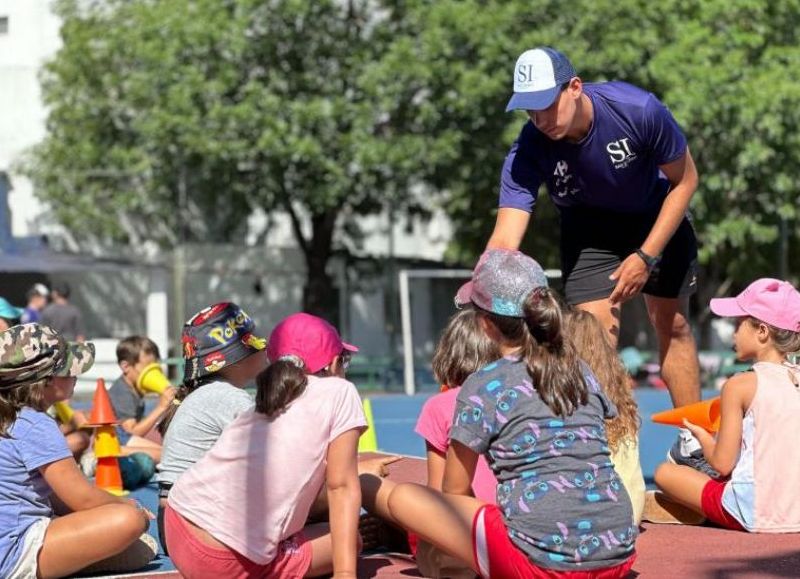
column 28, row 37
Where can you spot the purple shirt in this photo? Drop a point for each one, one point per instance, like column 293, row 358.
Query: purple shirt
column 34, row 441
column 614, row 167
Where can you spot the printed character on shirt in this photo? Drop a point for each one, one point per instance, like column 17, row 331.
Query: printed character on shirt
column 561, row 499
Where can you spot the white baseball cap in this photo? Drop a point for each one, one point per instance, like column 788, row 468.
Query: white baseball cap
column 538, row 76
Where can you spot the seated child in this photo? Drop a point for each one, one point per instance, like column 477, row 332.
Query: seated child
column 222, row 354
column 70, row 423
column 537, row 416
column 38, row 472
column 755, row 451
column 133, row 355
column 591, row 341
column 462, row 350
column 242, row 509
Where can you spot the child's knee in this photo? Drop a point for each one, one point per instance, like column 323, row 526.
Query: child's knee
column 662, row 472
column 399, row 499
column 128, row 520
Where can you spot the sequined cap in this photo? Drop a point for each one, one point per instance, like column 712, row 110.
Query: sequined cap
column 501, row 282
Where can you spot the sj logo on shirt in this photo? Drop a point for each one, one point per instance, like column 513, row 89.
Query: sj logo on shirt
column 620, row 153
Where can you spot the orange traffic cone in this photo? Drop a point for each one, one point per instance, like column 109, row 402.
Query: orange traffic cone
column 102, row 410
column 152, row 379
column 705, row 414
column 108, row 476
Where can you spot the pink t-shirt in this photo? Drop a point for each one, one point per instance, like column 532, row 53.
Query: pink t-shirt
column 434, row 425
column 255, row 487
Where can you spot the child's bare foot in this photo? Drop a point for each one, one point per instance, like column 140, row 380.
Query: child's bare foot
column 660, row 509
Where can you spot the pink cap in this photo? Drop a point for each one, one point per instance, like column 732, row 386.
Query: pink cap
column 772, row 301
column 308, row 337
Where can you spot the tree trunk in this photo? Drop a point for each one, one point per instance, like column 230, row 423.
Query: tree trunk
column 320, row 297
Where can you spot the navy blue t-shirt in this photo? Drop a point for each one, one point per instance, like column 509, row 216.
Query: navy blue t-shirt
column 615, row 167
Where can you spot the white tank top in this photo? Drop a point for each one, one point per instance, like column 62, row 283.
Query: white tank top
column 762, row 491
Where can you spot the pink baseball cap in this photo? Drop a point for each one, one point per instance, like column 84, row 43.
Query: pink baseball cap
column 772, row 301
column 308, row 337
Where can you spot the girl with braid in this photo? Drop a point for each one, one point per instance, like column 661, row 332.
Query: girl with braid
column 537, row 415
column 222, row 355
column 242, row 510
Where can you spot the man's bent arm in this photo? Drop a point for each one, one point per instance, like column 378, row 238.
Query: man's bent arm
column 682, row 174
column 509, row 229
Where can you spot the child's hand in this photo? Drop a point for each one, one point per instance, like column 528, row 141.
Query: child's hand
column 166, row 397
column 377, row 466
column 700, row 433
column 148, row 516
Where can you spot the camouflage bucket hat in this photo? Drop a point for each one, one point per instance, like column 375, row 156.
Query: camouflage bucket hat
column 30, row 353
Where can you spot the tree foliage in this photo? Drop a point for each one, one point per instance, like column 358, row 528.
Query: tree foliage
column 173, row 120
column 329, row 109
column 723, row 67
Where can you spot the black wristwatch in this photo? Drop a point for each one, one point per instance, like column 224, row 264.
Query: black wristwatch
column 649, row 260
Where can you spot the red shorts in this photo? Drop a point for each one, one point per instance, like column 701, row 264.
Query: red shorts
column 196, row 559
column 711, row 503
column 497, row 557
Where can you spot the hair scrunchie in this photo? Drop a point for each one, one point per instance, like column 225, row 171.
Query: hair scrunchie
column 293, row 360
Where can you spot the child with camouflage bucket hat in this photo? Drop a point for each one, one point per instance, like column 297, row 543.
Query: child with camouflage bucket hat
column 38, row 368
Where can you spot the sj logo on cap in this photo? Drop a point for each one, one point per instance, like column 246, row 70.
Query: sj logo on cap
column 534, row 72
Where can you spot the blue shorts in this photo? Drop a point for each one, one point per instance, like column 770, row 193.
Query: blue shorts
column 123, row 436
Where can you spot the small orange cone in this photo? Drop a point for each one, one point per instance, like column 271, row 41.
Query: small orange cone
column 705, row 414
column 102, row 410
column 152, row 379
column 106, row 443
column 108, row 476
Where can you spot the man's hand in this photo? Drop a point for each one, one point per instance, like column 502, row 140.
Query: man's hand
column 631, row 275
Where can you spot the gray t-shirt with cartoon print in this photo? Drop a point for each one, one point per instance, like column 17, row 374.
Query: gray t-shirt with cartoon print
column 562, row 502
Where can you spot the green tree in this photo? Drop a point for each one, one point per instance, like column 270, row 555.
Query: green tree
column 172, row 121
column 723, row 67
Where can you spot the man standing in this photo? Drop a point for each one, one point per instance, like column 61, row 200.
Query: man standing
column 37, row 300
column 617, row 166
column 63, row 316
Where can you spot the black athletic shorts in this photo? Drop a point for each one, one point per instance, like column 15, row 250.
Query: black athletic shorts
column 594, row 242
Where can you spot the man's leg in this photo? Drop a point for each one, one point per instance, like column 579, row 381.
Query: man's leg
column 606, row 314
column 677, row 350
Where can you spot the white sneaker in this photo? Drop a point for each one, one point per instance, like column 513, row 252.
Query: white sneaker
column 88, row 463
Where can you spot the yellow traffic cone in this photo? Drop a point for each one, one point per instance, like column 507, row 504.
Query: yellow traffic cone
column 368, row 441
column 106, row 442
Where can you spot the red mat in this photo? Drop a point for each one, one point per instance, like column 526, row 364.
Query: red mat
column 664, row 551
